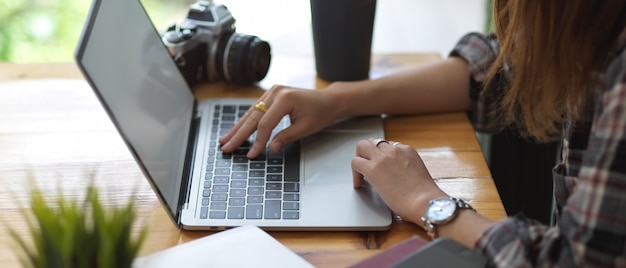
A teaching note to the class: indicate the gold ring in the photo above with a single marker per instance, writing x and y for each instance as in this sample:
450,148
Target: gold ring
379,141
395,143
260,106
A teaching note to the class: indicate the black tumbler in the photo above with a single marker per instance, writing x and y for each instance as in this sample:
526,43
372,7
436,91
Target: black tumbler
342,38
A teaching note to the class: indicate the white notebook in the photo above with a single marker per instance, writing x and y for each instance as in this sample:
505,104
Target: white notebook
245,246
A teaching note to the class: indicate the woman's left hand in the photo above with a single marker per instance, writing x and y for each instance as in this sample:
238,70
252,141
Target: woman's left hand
398,174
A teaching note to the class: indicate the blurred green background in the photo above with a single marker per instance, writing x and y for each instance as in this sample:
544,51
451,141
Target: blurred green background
48,30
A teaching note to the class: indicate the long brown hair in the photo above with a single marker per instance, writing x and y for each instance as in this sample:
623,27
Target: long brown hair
555,49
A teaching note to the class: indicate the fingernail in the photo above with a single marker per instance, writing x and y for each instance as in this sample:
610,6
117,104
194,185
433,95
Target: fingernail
277,145
251,152
225,145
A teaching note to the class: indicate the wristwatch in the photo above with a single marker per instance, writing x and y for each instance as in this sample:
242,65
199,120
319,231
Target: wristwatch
441,211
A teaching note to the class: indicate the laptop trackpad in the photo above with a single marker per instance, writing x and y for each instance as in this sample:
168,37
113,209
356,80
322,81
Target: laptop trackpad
328,189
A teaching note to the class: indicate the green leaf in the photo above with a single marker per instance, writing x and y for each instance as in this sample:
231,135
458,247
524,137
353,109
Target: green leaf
69,233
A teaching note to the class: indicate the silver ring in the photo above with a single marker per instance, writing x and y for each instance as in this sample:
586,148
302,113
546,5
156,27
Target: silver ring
395,143
379,141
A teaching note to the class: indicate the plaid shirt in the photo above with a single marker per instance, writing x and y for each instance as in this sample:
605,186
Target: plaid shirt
589,180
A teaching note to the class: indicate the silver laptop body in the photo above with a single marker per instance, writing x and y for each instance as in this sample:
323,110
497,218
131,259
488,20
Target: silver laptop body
169,132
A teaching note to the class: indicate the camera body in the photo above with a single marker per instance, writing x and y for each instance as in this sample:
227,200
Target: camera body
206,47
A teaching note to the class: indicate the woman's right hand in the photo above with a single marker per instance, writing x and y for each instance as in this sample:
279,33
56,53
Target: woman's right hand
309,112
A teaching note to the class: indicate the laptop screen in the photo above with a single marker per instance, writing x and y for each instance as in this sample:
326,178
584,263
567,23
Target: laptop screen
140,86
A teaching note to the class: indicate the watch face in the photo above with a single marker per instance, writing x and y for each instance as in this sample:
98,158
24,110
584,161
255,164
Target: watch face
440,210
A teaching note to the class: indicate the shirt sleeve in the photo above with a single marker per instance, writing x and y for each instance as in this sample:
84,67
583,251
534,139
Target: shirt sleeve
480,51
591,231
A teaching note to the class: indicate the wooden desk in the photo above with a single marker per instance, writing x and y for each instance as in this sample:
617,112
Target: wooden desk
53,129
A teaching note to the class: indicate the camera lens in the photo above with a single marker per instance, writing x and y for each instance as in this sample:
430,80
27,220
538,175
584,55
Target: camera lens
242,58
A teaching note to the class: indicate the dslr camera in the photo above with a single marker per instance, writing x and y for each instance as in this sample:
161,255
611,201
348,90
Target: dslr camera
206,47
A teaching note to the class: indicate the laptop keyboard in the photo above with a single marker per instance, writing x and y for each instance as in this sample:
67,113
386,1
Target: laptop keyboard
235,187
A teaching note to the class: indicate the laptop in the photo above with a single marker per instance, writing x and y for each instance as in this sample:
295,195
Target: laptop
173,138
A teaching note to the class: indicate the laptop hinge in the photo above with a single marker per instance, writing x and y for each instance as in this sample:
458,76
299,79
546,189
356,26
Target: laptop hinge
189,161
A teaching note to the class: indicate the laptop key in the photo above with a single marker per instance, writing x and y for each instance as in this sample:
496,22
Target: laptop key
240,159
238,184
257,173
254,211
229,109
229,118
291,206
256,182
272,209
206,192
272,195
240,167
219,197
227,125
237,192
222,171
274,169
291,197
255,199
204,211
220,188
237,202
235,212
218,205
220,180
217,214
292,187
274,186
275,161
240,151
223,163
292,162
239,175
222,155
291,215
255,190
257,165
274,177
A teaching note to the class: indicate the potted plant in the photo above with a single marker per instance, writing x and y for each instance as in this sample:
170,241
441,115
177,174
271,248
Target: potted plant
72,233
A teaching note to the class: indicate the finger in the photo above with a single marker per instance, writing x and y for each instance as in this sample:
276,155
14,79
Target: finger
238,134
367,148
396,143
362,149
290,134
357,164
387,146
265,126
246,125
245,119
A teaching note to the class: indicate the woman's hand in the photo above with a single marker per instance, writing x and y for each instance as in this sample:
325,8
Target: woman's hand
398,174
309,111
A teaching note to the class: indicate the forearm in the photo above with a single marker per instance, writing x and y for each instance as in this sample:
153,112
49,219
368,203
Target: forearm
439,87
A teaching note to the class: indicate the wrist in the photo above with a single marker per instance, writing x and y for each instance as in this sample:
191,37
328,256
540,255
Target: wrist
342,98
354,98
441,212
418,207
